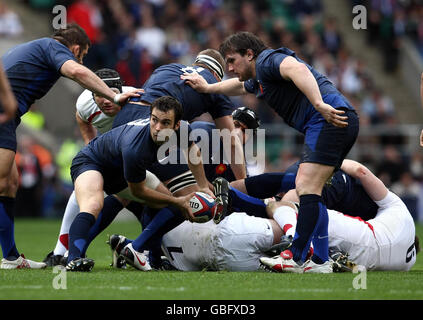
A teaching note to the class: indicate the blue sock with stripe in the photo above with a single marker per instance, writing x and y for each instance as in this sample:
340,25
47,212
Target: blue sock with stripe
308,215
158,221
78,234
111,208
321,237
7,228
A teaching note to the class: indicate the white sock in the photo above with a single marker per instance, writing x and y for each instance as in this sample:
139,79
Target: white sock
286,217
71,211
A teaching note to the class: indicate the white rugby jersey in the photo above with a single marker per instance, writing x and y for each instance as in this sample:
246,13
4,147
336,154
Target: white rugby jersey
235,244
91,113
383,243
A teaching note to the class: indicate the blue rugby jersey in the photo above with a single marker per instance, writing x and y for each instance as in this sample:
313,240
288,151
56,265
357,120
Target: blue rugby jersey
166,81
283,96
128,148
33,68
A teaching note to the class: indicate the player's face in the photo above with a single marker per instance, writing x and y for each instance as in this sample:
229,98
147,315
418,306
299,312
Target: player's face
159,121
241,66
106,106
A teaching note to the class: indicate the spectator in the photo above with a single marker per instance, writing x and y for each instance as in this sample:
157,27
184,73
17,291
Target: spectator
29,193
392,165
10,25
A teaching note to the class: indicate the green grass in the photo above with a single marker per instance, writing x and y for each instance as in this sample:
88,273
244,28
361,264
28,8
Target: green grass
36,238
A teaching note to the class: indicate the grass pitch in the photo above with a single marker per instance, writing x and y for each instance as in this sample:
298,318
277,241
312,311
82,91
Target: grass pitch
36,238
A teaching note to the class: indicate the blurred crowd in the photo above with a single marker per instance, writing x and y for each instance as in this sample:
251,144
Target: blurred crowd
136,36
388,22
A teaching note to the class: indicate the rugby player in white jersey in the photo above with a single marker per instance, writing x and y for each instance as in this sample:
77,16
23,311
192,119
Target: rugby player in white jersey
386,242
238,242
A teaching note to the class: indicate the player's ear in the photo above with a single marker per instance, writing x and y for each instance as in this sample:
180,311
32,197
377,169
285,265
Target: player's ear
76,50
250,54
177,125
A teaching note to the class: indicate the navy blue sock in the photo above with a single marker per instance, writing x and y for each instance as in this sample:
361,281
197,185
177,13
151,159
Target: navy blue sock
157,223
137,209
7,228
321,237
155,252
78,234
111,208
245,203
308,216
267,185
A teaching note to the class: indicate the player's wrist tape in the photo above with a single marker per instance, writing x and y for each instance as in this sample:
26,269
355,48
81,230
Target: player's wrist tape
116,98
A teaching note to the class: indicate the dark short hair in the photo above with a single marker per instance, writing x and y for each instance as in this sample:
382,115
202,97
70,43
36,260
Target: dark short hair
167,103
110,77
240,42
71,35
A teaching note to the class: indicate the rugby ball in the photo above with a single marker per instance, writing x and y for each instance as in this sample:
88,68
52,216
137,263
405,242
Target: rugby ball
203,207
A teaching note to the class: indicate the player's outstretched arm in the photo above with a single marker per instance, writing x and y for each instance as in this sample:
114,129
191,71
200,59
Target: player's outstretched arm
229,87
89,80
374,187
7,98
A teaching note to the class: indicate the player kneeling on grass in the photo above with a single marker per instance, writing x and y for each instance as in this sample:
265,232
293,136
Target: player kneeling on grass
117,160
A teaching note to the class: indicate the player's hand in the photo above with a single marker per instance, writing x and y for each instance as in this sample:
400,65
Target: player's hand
208,191
332,115
183,204
195,81
421,138
124,97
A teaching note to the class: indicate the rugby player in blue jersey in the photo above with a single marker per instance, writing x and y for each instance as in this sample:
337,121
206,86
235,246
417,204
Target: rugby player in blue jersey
165,80
119,159
32,68
309,103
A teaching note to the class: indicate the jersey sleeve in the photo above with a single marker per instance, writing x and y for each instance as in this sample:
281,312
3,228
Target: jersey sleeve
84,105
57,54
270,68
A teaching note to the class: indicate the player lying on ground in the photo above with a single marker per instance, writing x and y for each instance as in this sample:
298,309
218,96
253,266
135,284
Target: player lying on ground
239,241
386,242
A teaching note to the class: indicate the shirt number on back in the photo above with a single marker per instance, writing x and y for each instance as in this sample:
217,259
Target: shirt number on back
410,253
